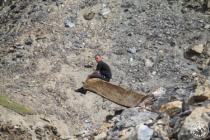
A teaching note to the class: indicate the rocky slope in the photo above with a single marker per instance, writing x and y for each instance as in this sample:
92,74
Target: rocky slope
160,47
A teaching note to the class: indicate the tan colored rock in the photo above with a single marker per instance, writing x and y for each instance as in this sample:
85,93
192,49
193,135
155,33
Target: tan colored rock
208,4
171,108
198,48
202,93
196,124
104,127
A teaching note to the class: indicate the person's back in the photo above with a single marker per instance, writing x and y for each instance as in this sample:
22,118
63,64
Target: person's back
104,70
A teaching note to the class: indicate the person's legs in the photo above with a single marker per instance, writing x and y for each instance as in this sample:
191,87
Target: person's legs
104,78
98,75
94,75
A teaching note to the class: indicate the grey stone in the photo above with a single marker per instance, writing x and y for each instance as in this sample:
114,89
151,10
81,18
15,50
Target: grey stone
132,117
132,50
207,26
105,10
144,132
148,63
69,22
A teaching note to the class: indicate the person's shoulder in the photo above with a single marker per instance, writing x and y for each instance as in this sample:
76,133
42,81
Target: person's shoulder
102,62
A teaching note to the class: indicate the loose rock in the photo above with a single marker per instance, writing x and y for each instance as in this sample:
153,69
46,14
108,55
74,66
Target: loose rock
172,108
198,48
202,93
89,15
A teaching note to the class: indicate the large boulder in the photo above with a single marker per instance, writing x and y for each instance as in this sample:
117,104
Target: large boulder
196,124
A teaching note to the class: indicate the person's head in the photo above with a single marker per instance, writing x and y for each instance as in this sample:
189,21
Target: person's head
98,58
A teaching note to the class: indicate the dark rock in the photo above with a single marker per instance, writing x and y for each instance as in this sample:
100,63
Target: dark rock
29,41
12,6
186,113
19,55
88,66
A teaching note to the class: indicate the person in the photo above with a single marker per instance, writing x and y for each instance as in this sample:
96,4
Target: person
102,72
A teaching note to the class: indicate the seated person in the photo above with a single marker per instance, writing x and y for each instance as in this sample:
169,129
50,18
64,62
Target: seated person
103,72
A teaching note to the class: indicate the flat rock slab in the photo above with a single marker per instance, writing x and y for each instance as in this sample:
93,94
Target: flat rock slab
115,93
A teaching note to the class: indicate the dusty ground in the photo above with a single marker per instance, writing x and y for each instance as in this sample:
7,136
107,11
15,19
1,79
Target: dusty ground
42,62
